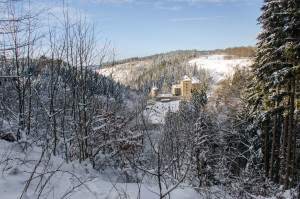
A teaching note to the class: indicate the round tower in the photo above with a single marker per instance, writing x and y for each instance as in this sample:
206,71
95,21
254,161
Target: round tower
154,92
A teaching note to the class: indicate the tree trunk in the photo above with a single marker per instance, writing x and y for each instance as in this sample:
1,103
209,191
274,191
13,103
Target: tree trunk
285,132
295,166
274,139
266,149
291,118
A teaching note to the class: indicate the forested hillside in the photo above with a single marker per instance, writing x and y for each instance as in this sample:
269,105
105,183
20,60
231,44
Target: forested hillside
240,51
142,73
165,70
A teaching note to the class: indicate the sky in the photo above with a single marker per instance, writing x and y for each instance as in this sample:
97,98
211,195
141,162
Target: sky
139,28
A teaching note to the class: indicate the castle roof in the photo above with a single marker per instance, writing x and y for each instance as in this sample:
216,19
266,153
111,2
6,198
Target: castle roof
186,78
164,95
195,80
155,88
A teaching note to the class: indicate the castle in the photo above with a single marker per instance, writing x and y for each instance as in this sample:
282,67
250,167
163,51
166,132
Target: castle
184,89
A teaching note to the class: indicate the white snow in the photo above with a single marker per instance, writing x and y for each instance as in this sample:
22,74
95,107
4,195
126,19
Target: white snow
156,113
165,100
72,180
218,66
165,95
195,80
155,88
125,72
186,78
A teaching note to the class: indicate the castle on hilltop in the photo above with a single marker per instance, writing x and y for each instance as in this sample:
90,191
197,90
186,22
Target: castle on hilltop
184,89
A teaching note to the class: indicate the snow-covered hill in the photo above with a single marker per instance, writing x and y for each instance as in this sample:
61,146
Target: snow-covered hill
218,66
125,72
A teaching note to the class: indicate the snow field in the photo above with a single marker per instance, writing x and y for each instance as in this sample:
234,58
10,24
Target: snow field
218,66
66,180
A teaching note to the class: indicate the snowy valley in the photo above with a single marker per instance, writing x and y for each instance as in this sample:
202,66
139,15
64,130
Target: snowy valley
77,123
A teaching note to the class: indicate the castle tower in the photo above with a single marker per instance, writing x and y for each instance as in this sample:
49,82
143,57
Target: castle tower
195,84
176,90
154,91
186,87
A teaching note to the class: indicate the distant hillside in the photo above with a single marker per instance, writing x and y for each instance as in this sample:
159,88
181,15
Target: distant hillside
240,51
128,71
164,70
180,54
220,66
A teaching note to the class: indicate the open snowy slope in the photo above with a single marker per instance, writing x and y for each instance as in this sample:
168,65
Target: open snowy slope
125,72
53,178
218,66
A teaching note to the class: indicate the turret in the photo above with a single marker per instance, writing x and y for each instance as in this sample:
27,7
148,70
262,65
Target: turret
154,92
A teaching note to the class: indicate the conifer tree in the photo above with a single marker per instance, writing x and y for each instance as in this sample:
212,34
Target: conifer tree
273,93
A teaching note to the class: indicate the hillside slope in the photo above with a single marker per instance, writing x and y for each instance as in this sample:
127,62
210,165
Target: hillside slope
130,70
218,65
126,72
164,70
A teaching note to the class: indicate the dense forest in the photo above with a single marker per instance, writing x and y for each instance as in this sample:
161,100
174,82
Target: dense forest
244,139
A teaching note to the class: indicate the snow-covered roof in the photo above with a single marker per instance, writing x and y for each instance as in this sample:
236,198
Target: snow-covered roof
195,80
165,100
186,78
177,86
154,88
164,95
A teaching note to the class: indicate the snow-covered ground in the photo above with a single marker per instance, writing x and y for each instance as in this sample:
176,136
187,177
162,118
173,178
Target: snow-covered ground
56,179
155,113
124,72
218,66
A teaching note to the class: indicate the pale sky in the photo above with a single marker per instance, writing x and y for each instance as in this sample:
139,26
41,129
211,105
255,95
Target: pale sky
146,27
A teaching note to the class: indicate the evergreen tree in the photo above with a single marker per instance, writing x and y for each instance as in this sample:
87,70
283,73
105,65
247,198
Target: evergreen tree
273,90
198,100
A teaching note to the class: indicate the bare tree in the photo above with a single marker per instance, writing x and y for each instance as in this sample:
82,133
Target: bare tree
18,44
